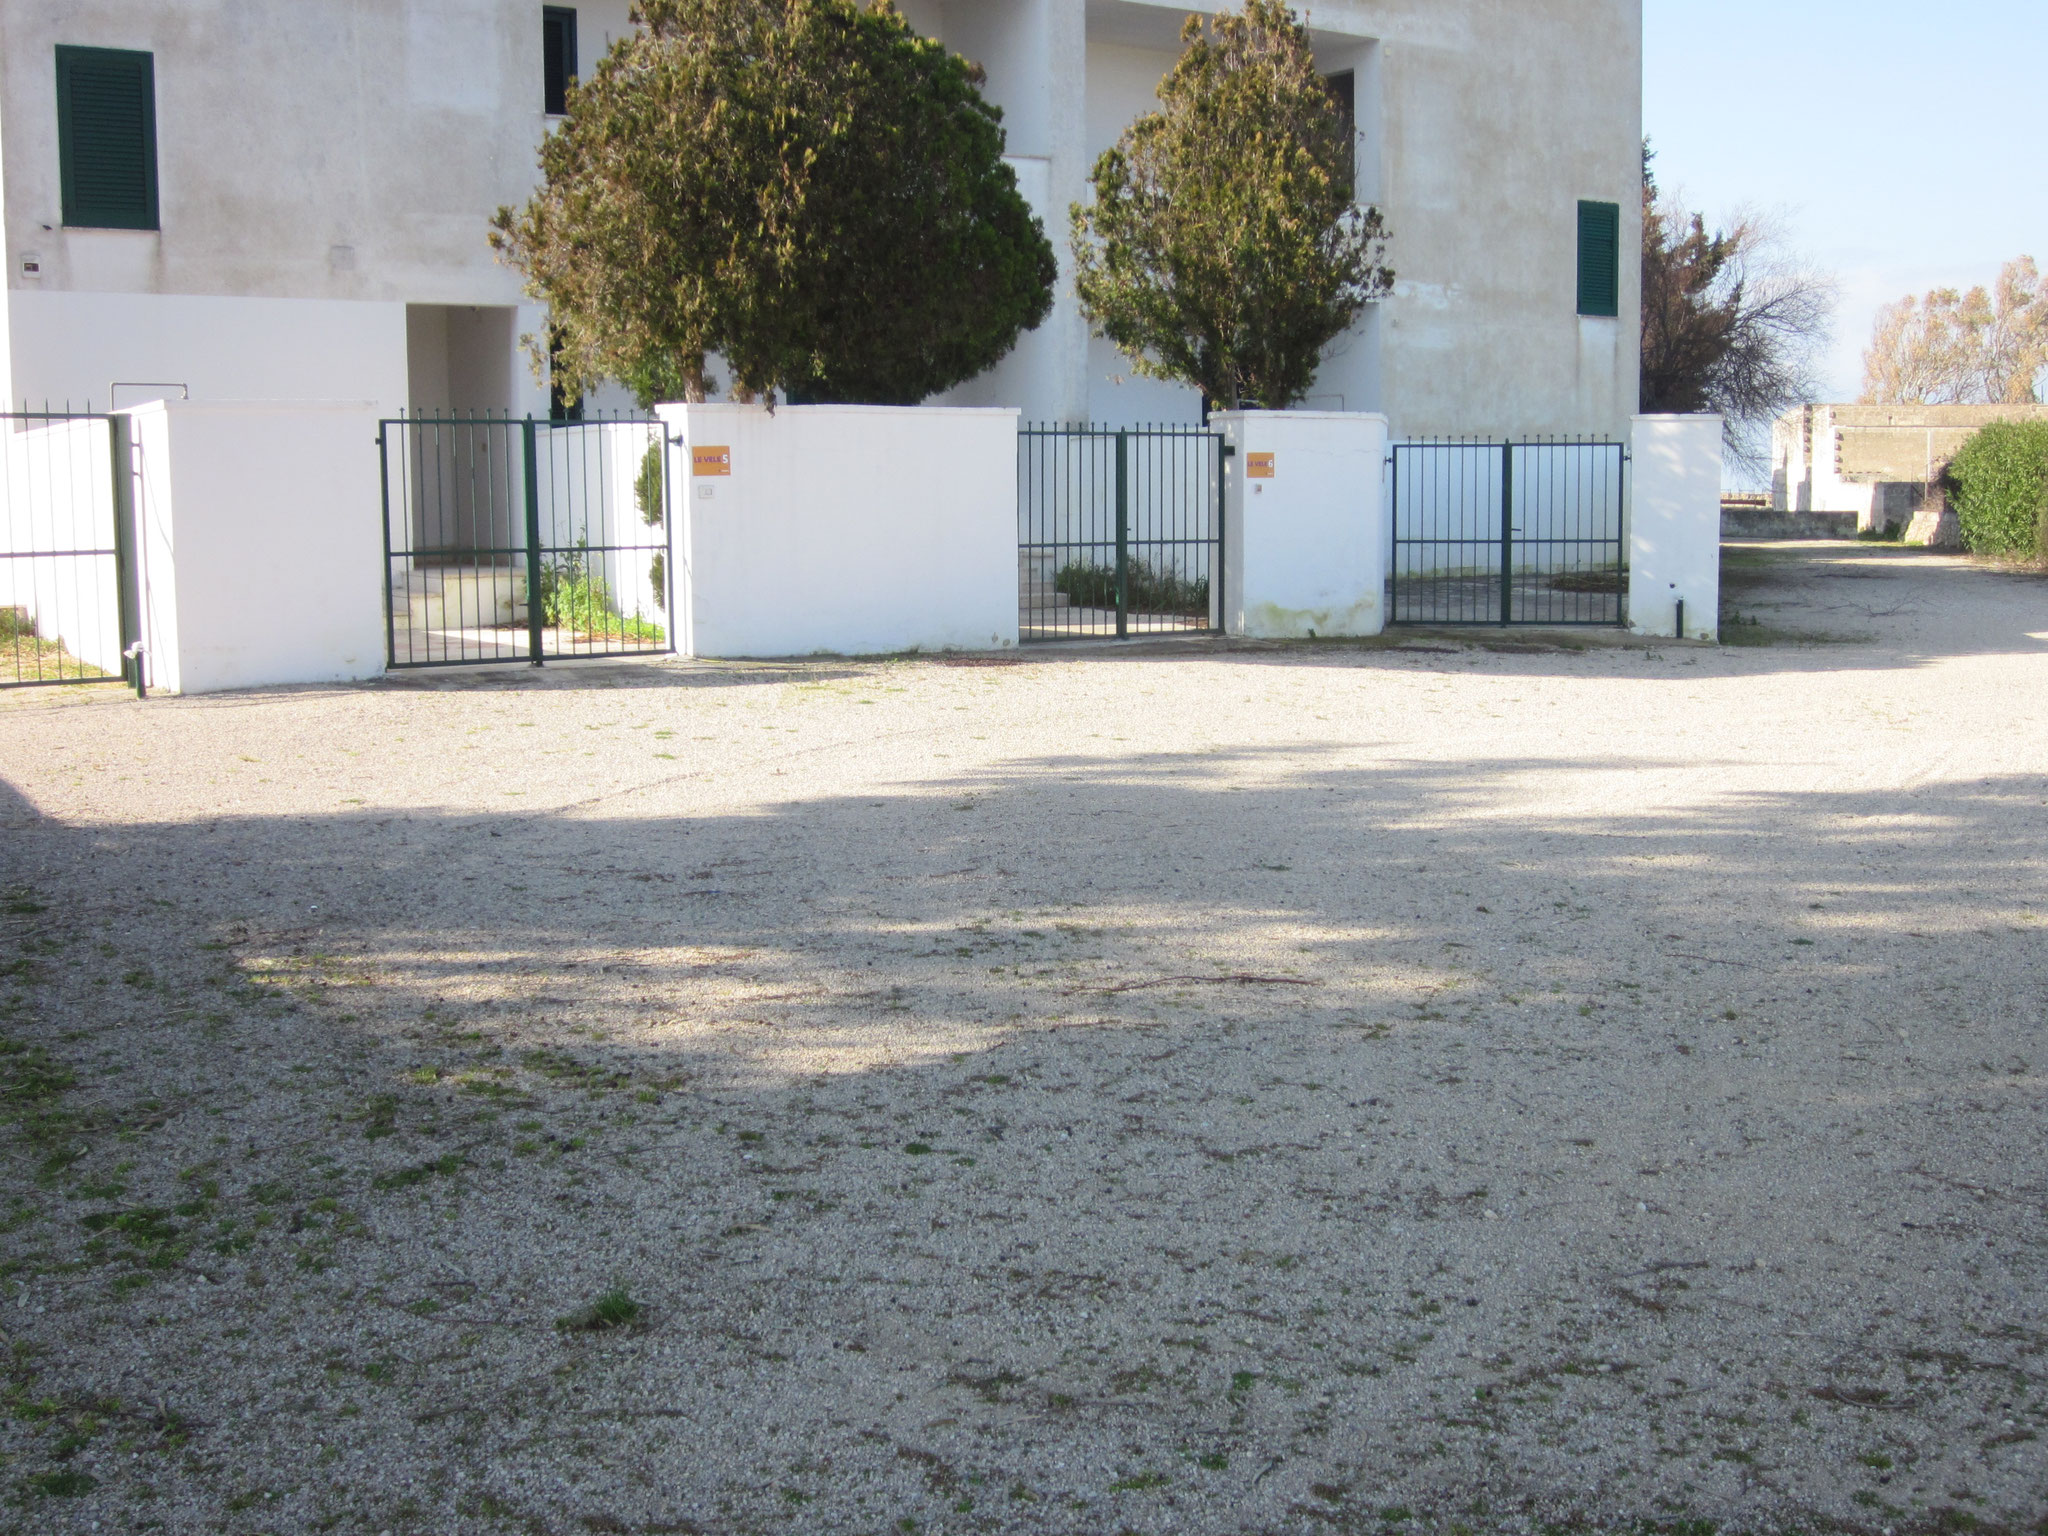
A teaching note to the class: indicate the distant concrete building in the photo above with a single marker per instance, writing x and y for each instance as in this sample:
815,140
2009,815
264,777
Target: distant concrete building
1881,462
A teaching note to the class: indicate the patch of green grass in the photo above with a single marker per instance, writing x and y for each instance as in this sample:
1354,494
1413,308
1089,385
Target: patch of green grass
405,1178
64,1483
145,1237
1139,1482
563,1068
614,1309
380,1116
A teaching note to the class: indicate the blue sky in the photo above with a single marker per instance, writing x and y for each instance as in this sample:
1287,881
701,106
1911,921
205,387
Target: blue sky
1905,147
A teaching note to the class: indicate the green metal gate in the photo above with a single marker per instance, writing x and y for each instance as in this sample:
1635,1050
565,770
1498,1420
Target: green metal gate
1526,532
1120,531
68,597
525,540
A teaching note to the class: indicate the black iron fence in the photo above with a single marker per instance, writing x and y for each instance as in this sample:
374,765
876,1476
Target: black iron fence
1120,531
67,574
1527,532
525,540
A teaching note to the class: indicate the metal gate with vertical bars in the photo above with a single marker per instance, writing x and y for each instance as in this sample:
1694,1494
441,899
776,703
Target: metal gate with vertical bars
1524,532
1120,531
67,575
525,540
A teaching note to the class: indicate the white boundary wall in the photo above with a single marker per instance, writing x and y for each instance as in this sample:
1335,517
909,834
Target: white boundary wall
1675,526
1305,551
844,529
259,547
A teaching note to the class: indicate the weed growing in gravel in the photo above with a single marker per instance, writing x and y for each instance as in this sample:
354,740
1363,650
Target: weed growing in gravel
614,1309
64,1483
404,1178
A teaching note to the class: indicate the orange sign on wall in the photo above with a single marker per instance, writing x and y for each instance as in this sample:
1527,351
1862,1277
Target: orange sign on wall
710,461
1258,466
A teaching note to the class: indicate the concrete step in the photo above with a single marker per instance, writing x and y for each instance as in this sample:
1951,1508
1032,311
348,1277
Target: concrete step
441,597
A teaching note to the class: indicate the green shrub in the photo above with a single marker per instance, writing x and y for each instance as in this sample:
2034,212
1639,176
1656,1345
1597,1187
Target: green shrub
1998,486
15,624
1151,591
647,486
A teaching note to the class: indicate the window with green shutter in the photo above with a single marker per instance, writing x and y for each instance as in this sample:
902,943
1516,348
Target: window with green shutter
1599,258
558,57
106,137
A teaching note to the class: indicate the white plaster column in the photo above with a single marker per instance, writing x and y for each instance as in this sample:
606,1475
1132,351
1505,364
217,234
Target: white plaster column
1674,545
1305,524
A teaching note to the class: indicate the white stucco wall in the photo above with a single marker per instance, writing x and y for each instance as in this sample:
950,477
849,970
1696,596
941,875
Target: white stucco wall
1675,526
853,530
344,157
72,347
352,152
260,544
1482,123
1305,548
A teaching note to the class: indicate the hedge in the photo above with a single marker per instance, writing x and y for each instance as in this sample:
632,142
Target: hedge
1998,486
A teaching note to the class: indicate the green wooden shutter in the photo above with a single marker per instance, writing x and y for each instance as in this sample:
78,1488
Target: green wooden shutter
106,137
1599,258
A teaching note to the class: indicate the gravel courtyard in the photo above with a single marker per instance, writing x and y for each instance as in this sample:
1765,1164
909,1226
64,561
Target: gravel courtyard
1474,1083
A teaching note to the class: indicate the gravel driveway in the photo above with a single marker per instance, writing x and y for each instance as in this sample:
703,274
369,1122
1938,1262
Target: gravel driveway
1469,1084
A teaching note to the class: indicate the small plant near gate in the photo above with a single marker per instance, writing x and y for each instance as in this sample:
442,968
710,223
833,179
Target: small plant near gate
574,597
1607,580
1087,585
1998,485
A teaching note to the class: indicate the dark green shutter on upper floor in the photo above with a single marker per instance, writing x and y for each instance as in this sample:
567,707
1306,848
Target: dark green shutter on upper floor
1599,258
558,57
106,137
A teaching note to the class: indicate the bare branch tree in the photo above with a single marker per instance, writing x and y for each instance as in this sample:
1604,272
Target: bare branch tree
1733,321
1954,348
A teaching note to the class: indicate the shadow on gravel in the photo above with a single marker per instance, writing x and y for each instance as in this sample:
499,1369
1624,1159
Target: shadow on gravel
1196,1143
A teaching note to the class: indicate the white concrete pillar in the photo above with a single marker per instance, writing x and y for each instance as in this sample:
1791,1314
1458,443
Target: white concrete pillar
259,552
1674,546
1305,524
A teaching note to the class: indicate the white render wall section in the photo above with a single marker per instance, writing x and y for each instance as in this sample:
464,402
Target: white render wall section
260,544
72,347
845,529
1675,526
1305,551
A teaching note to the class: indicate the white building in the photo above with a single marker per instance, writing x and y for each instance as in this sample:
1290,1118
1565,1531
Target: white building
1879,462
289,201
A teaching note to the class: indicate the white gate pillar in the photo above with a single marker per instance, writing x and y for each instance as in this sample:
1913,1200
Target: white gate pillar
1674,540
1305,524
